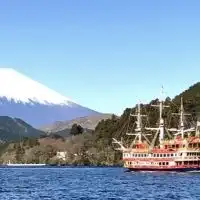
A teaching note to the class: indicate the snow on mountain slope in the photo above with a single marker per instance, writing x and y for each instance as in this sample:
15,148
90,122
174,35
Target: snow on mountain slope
33,102
18,87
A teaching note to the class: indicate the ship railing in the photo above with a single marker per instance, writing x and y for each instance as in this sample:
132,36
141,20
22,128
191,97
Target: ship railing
145,150
187,158
188,149
185,149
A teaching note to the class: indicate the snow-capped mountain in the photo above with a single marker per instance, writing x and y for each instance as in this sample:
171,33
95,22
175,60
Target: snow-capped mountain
33,102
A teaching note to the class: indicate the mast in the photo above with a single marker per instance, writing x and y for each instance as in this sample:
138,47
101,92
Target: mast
181,119
182,129
138,129
161,129
198,129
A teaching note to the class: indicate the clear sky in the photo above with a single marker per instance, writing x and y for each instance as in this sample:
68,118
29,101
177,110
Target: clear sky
103,54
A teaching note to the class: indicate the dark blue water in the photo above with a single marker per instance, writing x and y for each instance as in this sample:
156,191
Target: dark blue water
96,183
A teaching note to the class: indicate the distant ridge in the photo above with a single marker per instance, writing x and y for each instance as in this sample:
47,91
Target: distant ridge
89,122
14,129
24,98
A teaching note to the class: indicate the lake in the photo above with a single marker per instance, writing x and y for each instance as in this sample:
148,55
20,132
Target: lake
96,183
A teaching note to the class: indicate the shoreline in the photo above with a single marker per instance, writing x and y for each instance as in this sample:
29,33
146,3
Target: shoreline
60,166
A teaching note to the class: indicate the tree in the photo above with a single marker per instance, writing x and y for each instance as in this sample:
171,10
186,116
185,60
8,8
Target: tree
76,129
19,154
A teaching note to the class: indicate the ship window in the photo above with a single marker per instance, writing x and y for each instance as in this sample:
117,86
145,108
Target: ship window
163,163
164,155
167,163
160,155
172,154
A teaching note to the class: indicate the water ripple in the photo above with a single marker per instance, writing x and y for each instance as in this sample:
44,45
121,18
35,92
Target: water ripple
96,183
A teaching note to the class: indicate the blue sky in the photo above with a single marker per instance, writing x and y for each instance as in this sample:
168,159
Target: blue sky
103,54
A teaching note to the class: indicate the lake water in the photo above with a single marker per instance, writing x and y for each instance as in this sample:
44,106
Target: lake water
96,183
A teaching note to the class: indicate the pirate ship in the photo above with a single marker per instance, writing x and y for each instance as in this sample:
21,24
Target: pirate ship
179,151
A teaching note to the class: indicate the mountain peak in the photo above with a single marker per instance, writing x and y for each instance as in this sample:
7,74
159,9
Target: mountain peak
22,97
20,88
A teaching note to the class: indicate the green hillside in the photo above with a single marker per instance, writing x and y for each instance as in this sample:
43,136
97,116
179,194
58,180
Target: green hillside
12,129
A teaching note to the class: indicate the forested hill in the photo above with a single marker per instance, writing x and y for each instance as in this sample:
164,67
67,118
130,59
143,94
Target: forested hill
13,129
191,98
116,127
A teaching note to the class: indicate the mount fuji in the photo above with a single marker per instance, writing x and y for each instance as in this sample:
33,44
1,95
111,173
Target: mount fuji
22,97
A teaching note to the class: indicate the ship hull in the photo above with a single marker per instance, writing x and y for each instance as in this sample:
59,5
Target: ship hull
164,169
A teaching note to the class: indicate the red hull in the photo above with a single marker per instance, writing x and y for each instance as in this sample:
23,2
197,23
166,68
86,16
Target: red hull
176,169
